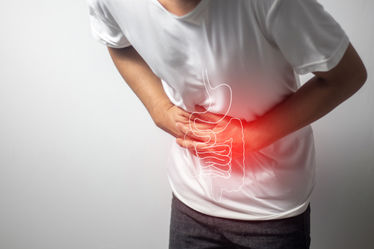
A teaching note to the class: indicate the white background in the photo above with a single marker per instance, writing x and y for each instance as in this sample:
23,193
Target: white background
82,166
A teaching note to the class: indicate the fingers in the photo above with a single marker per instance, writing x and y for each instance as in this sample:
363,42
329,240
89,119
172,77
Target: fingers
220,149
182,116
202,126
208,154
204,149
199,135
184,113
190,144
204,116
201,117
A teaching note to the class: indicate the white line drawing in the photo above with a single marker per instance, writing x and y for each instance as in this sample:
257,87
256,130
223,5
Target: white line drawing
221,172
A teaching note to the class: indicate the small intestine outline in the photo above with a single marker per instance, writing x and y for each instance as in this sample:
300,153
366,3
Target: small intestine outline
214,169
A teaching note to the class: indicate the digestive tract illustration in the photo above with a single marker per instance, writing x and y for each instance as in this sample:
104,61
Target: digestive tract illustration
220,170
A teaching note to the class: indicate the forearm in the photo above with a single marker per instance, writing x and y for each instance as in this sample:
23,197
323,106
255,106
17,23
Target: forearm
312,101
140,78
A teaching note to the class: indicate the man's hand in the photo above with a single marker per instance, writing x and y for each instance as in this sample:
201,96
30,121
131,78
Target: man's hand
168,116
219,142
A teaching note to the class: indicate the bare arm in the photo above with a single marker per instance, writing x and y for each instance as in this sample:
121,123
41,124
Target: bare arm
140,78
147,86
314,99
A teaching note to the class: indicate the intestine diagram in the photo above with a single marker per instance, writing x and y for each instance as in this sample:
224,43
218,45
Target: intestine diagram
222,169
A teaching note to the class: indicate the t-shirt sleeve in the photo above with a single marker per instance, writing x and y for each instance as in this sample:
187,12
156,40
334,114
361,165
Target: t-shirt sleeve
306,34
104,28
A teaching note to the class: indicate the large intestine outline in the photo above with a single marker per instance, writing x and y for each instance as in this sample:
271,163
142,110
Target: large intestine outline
219,174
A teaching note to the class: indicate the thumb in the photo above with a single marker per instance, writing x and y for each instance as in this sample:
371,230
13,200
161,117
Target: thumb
200,108
204,115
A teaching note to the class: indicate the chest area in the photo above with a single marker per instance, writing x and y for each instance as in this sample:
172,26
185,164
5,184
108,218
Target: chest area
218,35
178,8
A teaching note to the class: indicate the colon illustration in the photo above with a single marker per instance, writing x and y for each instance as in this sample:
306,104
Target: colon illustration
222,169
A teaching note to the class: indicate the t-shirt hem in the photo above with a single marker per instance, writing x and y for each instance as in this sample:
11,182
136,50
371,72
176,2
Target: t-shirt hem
118,46
289,213
326,64
97,36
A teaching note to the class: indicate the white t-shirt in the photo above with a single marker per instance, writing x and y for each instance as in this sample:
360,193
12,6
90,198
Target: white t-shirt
240,58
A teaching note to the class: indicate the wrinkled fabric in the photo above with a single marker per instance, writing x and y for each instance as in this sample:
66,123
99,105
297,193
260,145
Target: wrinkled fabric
240,58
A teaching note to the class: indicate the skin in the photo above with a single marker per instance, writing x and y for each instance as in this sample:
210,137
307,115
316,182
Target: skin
317,97
179,7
